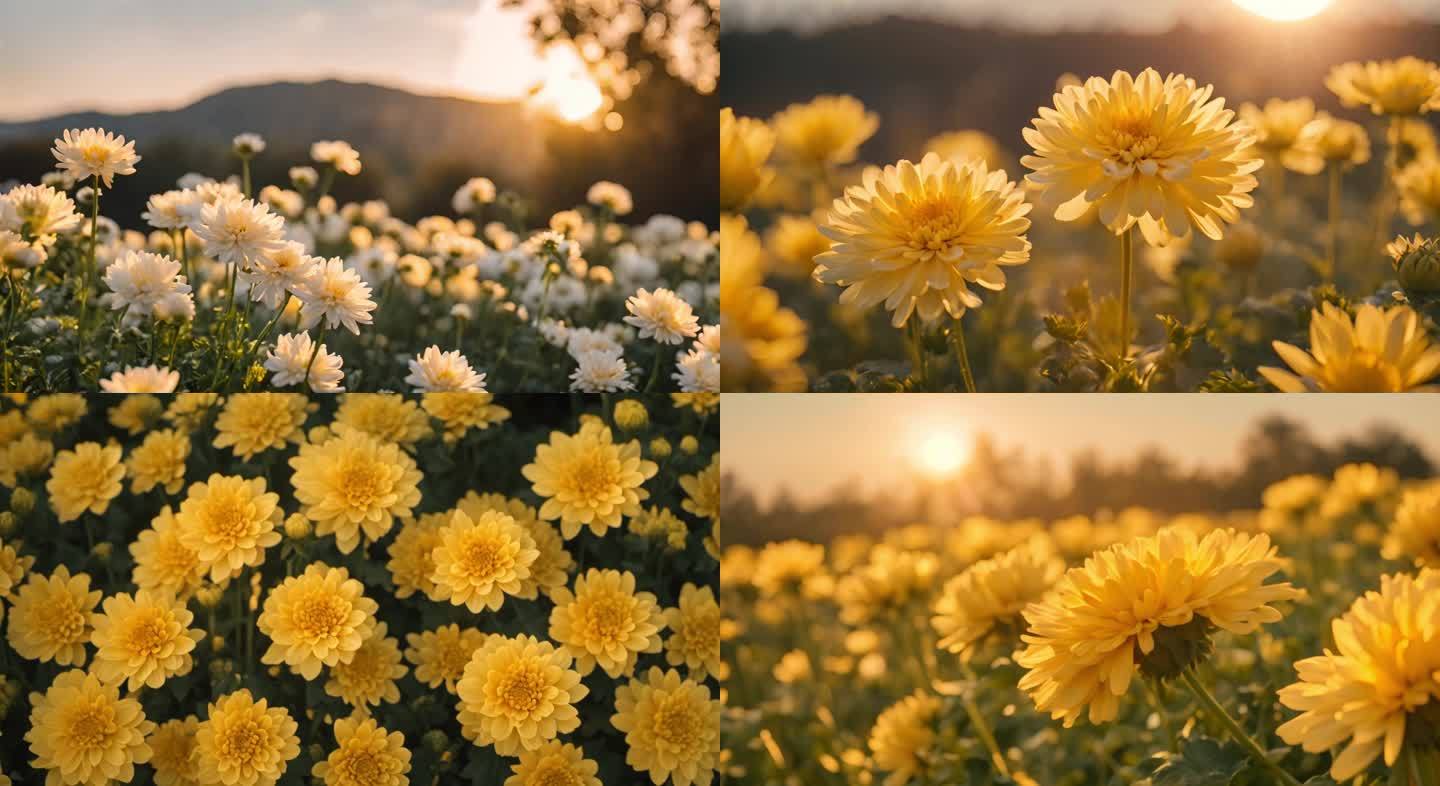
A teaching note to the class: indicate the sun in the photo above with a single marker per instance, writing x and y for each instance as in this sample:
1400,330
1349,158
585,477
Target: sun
1284,10
568,90
940,454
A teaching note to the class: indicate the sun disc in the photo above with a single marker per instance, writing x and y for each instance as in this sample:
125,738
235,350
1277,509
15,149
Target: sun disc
1284,10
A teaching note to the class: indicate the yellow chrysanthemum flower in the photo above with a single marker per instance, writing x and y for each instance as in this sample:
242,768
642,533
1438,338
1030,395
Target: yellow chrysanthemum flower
702,491
28,456
365,754
13,568
84,479
51,618
917,236
369,677
1158,152
661,524
136,413
412,560
440,655
781,567
966,145
699,403
794,242
745,144
244,742
827,130
551,568
1382,351
888,581
1152,600
319,618
187,411
766,340
478,562
252,423
159,461
163,563
143,639
695,632
1419,187
1415,533
460,412
554,764
605,622
1358,486
1378,683
355,484
586,479
672,726
229,521
903,736
172,745
83,733
1338,142
389,417
518,694
56,412
1408,86
992,593
1280,128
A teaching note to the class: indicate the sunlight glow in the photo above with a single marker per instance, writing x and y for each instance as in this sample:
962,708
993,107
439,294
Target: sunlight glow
568,90
1284,10
940,454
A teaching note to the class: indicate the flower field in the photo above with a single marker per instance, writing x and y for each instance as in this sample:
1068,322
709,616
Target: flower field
233,285
1141,234
1295,644
359,590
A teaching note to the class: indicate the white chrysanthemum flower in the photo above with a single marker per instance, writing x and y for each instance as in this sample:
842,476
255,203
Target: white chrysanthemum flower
555,332
135,379
15,252
279,272
709,338
579,341
162,211
38,210
662,315
95,152
600,371
145,283
304,177
240,231
337,154
611,195
286,364
193,200
433,371
283,201
476,191
698,371
335,294
248,145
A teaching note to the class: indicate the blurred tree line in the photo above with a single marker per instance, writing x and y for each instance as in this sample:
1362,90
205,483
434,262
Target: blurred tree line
1011,484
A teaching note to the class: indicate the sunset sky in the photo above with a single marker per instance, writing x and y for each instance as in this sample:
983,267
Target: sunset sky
815,443
129,55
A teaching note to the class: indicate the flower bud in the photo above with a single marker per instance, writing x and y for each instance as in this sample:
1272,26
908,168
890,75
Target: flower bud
436,740
1417,264
103,550
631,415
8,520
689,446
659,448
1242,247
22,501
297,526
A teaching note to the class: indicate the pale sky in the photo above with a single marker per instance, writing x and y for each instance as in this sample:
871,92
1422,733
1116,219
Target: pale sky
129,55
815,443
1140,15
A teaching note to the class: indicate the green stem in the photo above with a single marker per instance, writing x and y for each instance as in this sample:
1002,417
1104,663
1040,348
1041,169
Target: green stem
982,727
1218,712
1127,275
916,334
1334,236
319,340
655,368
326,180
1152,691
245,175
962,356
90,261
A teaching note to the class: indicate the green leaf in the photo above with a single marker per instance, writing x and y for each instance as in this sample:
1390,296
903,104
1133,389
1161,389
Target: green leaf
1201,762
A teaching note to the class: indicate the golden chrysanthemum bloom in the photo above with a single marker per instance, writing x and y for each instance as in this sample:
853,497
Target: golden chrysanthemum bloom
1338,142
144,639
518,694
172,745
702,491
917,236
745,144
1419,187
1415,533
554,764
1381,351
369,677
1148,603
28,456
826,131
605,622
694,640
389,417
699,403
159,461
440,655
244,742
782,567
1408,86
412,561
52,615
82,732
888,581
163,563
365,754
319,618
84,479
136,413
1379,681
1358,486
672,726
794,242
1158,152
478,562
460,412
966,145
187,411
587,479
1296,492
766,340
903,736
354,484
56,412
13,568
551,568
1280,128
659,523
252,423
992,593
229,521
